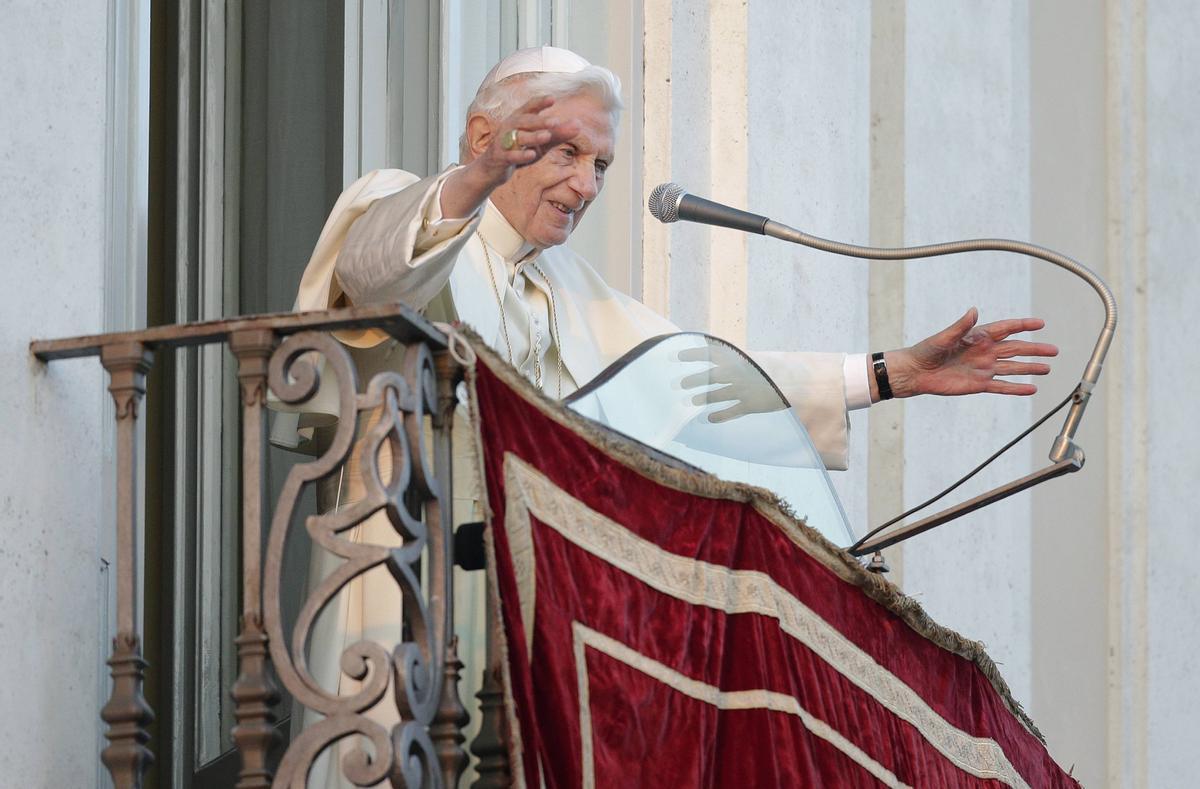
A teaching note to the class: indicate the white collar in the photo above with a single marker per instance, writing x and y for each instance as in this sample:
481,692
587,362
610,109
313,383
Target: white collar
501,236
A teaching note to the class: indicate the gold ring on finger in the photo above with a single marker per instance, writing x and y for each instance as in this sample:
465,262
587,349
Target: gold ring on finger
509,140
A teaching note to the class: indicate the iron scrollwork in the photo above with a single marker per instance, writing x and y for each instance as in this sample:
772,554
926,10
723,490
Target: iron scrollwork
394,409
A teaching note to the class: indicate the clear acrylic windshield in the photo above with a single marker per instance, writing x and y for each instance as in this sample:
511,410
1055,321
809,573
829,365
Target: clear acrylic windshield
703,401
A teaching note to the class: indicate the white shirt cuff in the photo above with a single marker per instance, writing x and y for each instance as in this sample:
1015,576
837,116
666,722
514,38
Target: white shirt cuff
858,386
434,227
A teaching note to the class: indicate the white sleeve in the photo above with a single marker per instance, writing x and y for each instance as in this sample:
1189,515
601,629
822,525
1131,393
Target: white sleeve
815,385
434,227
402,249
858,385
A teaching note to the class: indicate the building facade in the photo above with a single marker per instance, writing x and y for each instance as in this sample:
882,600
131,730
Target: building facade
172,160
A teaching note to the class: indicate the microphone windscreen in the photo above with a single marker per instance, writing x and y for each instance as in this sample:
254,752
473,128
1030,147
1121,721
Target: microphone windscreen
664,202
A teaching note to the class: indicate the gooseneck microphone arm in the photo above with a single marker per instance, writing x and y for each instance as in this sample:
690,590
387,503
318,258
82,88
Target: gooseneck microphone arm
1064,446
668,202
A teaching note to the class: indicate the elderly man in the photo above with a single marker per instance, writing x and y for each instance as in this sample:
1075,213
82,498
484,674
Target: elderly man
483,243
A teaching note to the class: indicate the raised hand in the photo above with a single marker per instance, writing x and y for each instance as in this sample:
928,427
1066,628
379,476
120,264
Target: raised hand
498,148
967,359
524,137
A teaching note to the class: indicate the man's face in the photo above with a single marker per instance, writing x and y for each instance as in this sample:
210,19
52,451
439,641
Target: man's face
544,201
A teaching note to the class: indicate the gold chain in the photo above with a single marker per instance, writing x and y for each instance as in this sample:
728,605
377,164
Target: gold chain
553,322
537,334
496,290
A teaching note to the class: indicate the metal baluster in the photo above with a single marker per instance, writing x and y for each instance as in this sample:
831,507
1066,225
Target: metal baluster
254,693
127,713
446,731
489,744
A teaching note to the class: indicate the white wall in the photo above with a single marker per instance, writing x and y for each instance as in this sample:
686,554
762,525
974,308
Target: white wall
967,169
1172,291
1069,562
52,231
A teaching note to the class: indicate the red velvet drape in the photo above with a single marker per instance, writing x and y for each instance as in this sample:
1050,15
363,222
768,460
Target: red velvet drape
691,680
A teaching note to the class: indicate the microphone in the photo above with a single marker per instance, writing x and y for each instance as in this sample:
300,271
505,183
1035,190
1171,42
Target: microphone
668,203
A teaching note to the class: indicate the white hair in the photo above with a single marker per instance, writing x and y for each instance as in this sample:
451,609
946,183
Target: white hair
502,99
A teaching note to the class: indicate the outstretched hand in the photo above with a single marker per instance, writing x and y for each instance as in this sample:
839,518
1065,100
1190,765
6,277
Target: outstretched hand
967,359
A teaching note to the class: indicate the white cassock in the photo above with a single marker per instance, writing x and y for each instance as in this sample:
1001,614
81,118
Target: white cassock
560,324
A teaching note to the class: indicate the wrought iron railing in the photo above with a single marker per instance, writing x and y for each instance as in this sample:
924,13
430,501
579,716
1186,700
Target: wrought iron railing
285,353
